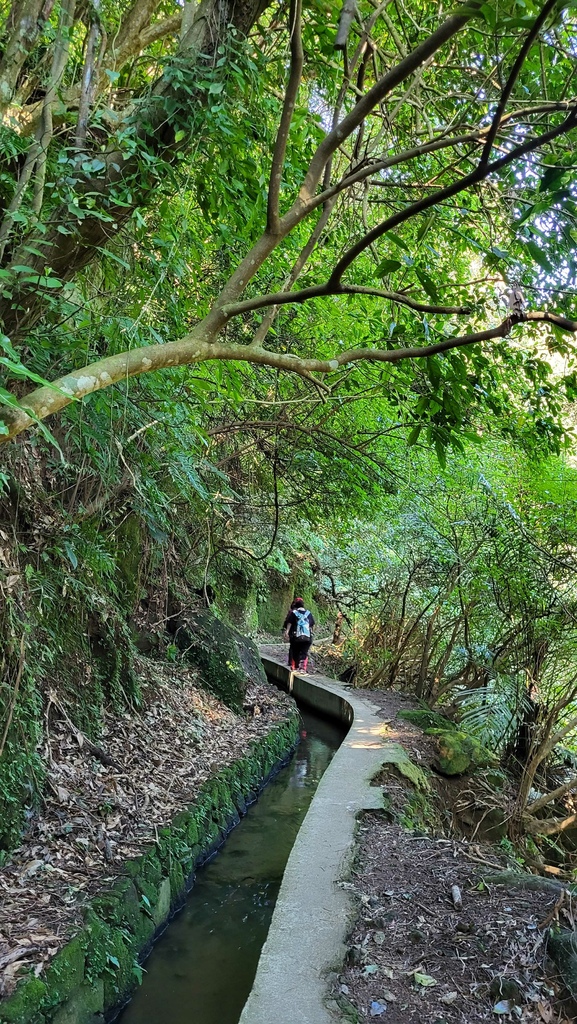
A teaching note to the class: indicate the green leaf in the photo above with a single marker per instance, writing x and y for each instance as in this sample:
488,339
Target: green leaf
71,553
414,435
428,284
552,179
397,240
424,979
489,14
539,257
387,267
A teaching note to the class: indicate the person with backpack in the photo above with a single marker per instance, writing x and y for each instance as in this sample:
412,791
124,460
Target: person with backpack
298,625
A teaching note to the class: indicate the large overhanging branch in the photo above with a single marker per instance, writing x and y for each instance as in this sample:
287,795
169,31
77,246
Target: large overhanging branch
47,400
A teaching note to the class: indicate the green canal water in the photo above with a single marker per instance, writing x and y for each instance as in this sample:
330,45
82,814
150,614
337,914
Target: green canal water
202,968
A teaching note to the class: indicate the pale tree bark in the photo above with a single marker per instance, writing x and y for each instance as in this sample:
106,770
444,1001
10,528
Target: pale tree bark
68,253
24,23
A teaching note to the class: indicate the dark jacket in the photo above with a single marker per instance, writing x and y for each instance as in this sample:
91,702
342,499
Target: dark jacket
290,623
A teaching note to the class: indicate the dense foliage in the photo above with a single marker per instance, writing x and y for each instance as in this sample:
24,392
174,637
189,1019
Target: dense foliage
314,284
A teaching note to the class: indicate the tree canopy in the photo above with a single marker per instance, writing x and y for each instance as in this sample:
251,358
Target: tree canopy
387,183
287,294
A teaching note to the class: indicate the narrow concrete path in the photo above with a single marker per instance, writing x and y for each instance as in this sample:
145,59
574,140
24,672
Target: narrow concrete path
307,935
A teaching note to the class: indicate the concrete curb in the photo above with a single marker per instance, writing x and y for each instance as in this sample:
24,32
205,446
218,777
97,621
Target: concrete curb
307,935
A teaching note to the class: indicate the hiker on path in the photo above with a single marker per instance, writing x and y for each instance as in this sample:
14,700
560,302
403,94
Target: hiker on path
298,627
285,631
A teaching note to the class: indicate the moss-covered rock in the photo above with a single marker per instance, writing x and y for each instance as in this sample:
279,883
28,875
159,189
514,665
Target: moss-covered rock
396,756
131,538
25,1005
84,1005
426,719
562,948
66,972
161,908
457,752
227,659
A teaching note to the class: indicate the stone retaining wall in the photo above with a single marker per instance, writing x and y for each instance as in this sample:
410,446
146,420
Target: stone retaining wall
95,972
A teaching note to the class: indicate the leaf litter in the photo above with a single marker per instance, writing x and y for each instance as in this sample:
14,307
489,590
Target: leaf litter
102,804
433,943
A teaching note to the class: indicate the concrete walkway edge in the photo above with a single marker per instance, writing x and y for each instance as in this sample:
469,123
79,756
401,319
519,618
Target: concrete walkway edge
306,939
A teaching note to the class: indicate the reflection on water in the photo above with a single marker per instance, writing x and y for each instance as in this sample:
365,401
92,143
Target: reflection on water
201,970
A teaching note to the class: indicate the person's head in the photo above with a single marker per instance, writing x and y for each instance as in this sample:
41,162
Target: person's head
298,602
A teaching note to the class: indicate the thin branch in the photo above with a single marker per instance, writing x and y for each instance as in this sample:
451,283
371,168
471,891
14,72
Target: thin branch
46,127
515,72
279,153
327,289
348,12
474,178
88,76
269,317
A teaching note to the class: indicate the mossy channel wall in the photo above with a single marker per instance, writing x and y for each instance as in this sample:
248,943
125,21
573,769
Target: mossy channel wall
95,972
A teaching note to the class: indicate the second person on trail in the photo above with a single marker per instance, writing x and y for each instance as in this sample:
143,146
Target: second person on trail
299,625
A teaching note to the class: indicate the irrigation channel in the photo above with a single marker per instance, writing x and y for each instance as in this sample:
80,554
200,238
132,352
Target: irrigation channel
202,968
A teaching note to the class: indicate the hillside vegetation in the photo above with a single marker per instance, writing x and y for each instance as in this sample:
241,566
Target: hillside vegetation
287,305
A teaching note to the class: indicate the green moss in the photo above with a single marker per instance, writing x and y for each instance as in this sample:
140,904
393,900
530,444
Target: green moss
562,948
418,815
226,658
176,876
458,752
86,1002
130,542
66,972
272,610
25,1005
426,719
396,755
161,908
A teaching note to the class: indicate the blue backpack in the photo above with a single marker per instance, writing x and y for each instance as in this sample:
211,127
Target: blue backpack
303,631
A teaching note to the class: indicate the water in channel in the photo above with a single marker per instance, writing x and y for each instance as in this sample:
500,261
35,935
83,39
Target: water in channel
202,969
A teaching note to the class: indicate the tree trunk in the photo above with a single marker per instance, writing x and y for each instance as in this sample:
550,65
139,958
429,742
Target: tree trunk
70,243
23,26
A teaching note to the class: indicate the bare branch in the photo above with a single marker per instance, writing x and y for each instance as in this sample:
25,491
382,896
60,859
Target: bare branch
279,153
549,798
317,291
549,826
88,76
450,27
474,178
346,19
515,71
268,319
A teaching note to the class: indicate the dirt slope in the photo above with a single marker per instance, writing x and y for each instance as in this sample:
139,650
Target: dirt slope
435,941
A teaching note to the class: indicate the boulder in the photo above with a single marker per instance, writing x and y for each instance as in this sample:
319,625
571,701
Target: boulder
562,948
457,752
227,660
